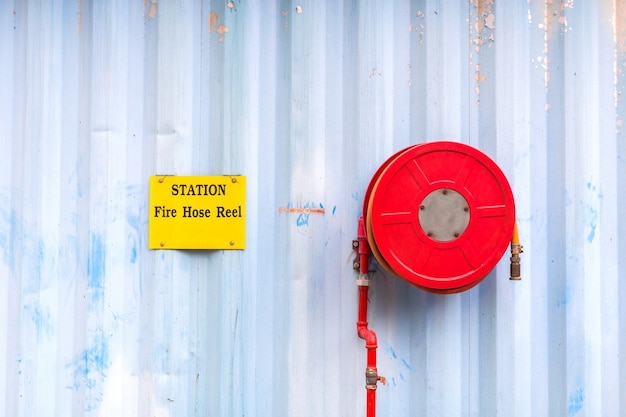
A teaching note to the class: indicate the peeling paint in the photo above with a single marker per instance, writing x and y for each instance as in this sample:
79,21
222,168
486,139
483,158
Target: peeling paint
420,28
619,53
554,21
484,24
490,21
478,77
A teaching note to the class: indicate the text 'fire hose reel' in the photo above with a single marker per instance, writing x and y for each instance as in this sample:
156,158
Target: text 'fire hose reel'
439,215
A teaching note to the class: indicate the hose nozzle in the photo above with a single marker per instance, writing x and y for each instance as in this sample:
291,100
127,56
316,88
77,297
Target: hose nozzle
516,249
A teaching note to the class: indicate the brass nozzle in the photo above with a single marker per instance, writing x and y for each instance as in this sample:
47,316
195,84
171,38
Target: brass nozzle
516,249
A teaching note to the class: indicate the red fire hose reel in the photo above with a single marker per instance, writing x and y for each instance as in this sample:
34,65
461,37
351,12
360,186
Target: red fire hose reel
439,215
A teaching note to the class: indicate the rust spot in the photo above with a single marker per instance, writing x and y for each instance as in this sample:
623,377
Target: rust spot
153,9
212,21
79,16
620,25
222,29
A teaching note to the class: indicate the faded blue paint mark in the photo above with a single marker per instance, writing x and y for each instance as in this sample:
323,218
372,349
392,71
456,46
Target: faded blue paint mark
302,220
406,364
592,225
160,356
565,297
96,269
8,226
89,370
40,316
35,281
567,199
133,255
592,215
392,353
304,211
137,223
575,403
309,207
593,212
334,210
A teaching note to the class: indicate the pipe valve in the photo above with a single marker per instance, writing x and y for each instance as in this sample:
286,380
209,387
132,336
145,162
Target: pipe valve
372,378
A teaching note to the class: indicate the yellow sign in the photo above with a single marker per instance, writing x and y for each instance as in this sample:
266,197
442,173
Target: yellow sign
192,212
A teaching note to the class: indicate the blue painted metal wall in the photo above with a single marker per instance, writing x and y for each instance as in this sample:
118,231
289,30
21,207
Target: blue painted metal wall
306,99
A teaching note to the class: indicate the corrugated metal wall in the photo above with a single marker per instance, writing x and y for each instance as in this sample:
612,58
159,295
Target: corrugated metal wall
306,99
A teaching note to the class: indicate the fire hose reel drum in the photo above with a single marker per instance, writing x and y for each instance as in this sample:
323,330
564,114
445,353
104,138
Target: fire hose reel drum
439,215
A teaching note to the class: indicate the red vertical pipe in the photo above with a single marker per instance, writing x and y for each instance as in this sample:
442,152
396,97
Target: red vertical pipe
371,341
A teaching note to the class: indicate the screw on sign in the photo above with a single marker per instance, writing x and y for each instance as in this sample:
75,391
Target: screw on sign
439,215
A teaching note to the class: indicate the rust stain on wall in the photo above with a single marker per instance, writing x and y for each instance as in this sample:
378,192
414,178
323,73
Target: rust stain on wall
212,21
79,16
620,25
153,8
